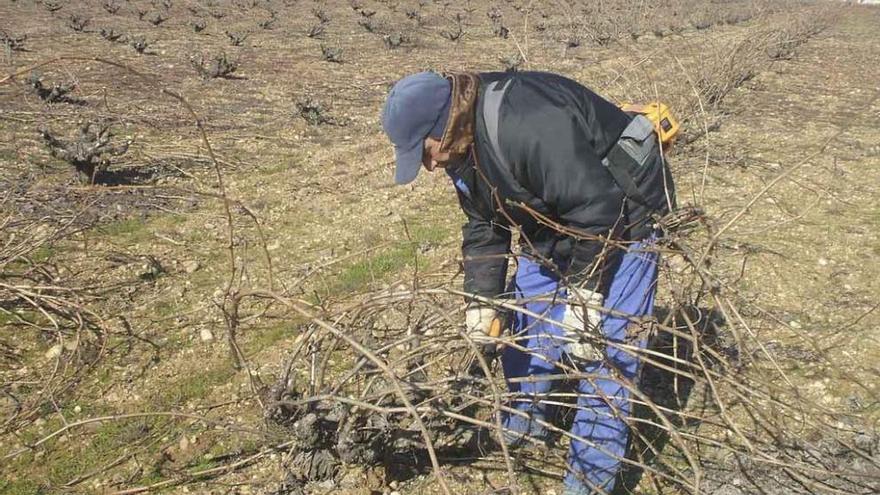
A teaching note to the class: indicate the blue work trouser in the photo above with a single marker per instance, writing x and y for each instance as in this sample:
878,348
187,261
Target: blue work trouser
602,403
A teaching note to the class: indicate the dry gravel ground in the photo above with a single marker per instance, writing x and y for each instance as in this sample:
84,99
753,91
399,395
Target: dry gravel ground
813,235
807,249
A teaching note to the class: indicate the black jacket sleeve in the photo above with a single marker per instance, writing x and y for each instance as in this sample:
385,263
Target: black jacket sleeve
485,248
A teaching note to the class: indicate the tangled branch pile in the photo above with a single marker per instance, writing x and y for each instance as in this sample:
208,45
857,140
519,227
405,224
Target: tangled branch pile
716,408
39,303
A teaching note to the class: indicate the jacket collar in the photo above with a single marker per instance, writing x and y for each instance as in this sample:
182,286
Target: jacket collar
459,133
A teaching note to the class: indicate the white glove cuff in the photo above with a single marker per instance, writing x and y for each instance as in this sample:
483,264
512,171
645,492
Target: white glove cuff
584,296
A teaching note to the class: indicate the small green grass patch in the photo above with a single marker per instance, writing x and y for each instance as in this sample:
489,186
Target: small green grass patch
43,253
20,487
382,264
266,337
137,229
133,228
108,441
375,268
194,384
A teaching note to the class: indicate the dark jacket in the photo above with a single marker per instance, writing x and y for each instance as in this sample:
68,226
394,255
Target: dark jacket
553,133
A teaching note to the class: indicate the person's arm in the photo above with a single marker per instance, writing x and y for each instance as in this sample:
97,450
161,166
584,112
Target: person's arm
485,247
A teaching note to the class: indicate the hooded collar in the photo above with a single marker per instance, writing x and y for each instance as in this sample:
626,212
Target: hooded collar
459,132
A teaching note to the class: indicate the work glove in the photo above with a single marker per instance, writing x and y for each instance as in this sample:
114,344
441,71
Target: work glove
478,322
583,325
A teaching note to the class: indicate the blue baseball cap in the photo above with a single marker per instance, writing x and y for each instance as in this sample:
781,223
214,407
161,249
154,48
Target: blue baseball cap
416,107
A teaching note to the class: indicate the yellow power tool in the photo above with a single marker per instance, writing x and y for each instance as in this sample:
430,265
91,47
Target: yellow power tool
665,125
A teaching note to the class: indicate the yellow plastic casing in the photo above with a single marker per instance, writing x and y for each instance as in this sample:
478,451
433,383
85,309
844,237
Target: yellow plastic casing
659,114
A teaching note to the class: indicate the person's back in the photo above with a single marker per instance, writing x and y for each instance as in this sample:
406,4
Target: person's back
538,148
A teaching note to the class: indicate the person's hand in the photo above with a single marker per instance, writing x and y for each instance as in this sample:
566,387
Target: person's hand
478,327
478,323
583,325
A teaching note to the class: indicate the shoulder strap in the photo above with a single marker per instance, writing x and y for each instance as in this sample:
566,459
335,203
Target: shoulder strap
624,179
492,97
619,160
502,176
